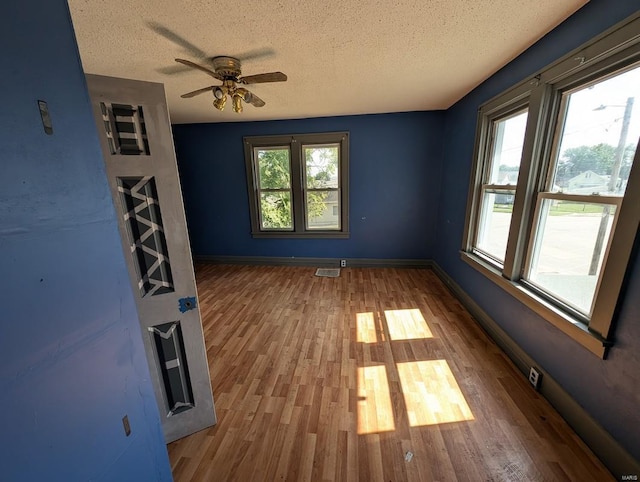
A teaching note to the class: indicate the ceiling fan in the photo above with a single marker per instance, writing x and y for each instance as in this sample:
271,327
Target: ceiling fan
228,70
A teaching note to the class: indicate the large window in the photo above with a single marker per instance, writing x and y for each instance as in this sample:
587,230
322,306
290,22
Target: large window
554,202
298,185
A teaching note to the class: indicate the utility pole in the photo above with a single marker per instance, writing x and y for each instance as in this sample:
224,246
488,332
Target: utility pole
613,183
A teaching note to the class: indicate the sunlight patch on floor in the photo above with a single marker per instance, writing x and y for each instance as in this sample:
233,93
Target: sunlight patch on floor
407,325
375,413
431,393
366,328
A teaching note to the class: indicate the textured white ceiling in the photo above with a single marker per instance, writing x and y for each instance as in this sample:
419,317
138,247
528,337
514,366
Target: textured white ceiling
341,56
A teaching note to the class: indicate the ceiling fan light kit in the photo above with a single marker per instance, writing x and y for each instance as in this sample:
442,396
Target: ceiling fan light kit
228,70
220,103
237,104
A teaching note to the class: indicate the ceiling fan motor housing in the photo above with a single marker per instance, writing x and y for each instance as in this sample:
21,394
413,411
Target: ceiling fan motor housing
228,67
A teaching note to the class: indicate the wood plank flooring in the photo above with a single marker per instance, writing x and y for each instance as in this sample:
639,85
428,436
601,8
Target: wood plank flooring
378,375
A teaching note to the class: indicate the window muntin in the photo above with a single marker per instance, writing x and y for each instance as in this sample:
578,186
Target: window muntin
499,185
298,185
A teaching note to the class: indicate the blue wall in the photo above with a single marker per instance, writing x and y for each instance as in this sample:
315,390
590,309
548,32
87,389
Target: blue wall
71,357
608,390
394,186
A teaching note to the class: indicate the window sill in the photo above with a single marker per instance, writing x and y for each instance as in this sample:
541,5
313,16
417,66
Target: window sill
304,235
570,326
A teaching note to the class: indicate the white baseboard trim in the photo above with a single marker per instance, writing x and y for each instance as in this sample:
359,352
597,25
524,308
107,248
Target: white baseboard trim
606,448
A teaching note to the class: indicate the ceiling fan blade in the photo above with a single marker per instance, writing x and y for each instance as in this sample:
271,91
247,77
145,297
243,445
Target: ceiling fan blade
174,70
255,100
197,92
200,67
255,54
262,78
176,39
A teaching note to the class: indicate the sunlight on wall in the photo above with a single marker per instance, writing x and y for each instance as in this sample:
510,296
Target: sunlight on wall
374,401
407,325
366,327
431,393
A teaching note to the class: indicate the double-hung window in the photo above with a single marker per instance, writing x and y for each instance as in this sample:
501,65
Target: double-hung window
298,185
499,183
554,200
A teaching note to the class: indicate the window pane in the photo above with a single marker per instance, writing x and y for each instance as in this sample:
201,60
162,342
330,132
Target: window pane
323,210
569,250
599,137
274,170
321,166
506,151
493,226
275,210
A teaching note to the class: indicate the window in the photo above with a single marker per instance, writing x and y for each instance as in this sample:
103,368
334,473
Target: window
498,189
273,187
554,201
298,185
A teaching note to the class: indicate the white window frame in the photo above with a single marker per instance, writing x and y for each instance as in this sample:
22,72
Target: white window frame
298,186
611,51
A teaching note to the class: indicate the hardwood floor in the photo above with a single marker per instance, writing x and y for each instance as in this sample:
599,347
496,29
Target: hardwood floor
378,375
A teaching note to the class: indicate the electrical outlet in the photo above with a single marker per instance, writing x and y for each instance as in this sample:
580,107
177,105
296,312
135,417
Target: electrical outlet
534,377
343,263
